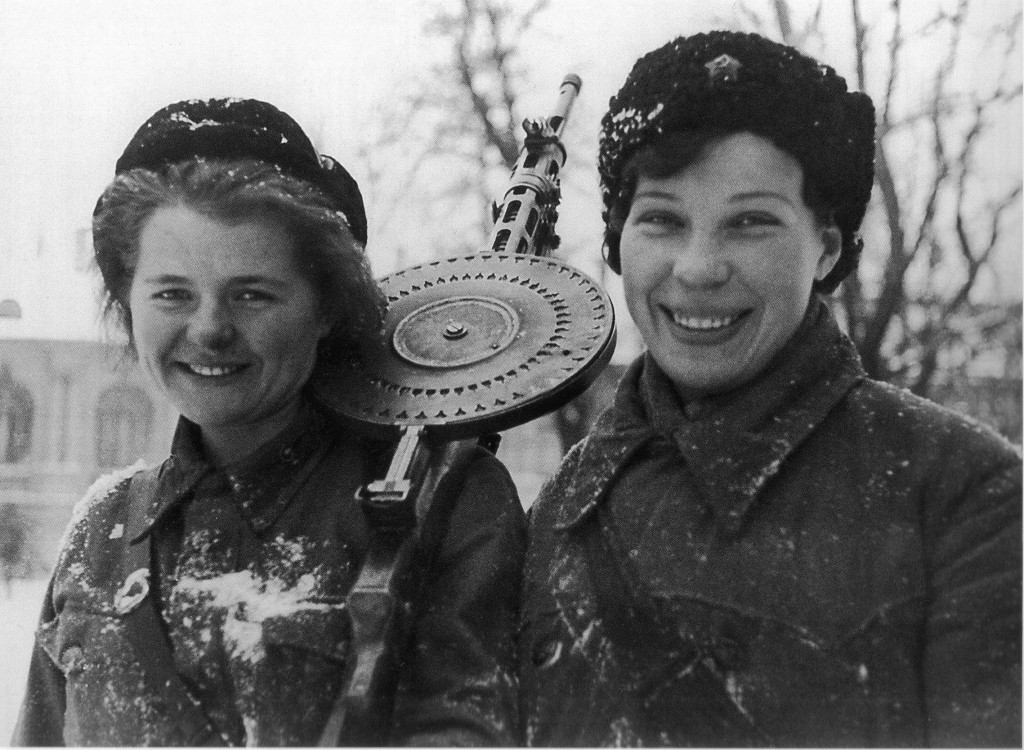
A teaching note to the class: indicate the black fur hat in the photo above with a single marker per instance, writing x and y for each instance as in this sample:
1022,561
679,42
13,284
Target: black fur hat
242,128
728,82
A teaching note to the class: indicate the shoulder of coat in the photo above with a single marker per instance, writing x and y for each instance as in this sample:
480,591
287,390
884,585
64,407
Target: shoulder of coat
103,489
553,492
906,414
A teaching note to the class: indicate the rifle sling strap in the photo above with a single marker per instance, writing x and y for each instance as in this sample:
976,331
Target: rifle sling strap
144,627
342,728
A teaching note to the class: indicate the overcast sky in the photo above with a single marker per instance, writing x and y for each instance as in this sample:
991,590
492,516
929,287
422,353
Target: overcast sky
77,78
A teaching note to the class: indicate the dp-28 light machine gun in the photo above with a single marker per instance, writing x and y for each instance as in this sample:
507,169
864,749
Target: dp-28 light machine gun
472,345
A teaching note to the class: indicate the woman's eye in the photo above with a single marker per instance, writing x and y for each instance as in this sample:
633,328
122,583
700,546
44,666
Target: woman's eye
171,295
658,219
754,221
254,296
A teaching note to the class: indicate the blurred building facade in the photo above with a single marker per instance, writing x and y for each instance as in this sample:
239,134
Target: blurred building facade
69,412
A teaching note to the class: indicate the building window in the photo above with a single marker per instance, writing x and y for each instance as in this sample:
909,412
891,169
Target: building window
9,308
15,419
124,417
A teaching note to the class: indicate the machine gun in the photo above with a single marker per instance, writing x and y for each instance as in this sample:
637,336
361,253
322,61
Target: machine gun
472,345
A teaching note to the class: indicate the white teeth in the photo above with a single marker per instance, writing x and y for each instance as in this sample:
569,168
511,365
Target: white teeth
212,371
703,324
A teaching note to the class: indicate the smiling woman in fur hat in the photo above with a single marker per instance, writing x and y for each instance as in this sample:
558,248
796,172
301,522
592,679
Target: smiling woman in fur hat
756,544
202,602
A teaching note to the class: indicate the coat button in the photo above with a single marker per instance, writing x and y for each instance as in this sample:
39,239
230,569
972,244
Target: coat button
546,653
729,654
71,658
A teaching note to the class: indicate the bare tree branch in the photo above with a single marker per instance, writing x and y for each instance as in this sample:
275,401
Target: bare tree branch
895,46
890,299
528,17
951,104
500,56
782,17
502,139
860,32
752,16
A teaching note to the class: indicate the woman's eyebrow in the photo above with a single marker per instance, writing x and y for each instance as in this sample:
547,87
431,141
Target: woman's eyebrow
165,278
654,193
257,279
747,195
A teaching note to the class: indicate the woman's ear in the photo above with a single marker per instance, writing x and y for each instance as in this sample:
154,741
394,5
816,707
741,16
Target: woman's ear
832,244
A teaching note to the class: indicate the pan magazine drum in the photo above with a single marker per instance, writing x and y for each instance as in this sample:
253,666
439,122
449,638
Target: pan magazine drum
473,345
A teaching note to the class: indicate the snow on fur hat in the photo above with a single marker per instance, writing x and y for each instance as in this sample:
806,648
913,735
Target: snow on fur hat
730,81
242,128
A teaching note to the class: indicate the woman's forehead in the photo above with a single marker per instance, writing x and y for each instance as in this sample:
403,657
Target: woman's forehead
180,239
739,162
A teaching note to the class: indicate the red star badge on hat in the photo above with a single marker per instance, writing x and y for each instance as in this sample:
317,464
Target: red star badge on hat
723,69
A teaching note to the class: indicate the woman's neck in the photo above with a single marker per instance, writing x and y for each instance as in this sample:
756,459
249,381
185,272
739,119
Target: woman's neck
224,445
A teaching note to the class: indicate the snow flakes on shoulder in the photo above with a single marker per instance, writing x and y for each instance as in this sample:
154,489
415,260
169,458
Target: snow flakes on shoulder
622,734
98,491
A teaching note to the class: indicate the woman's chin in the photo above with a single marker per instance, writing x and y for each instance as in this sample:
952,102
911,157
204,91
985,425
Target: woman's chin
703,369
696,383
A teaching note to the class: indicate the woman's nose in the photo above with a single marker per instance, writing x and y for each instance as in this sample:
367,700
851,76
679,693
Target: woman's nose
212,326
698,264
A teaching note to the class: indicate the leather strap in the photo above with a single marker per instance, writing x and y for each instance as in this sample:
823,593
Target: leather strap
143,624
369,725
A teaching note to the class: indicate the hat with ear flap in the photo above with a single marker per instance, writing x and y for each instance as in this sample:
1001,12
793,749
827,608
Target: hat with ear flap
240,129
726,81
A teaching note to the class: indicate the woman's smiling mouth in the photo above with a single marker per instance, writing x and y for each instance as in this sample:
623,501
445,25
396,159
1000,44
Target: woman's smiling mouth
703,323
212,371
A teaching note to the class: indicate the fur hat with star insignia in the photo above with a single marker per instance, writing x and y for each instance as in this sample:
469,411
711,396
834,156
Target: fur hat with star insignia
725,82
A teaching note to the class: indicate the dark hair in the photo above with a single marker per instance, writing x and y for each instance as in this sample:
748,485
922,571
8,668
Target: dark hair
672,153
234,191
724,82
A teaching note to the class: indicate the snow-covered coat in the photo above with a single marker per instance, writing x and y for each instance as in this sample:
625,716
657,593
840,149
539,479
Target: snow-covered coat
815,559
253,564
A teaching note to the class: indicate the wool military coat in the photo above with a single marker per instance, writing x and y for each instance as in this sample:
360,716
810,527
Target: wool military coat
817,559
253,563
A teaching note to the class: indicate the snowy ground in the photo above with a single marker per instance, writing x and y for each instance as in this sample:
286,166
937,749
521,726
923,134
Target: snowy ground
18,615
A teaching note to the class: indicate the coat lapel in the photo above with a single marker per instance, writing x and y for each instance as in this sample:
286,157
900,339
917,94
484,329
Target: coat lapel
593,464
739,440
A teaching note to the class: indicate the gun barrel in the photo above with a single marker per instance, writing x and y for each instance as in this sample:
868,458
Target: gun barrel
567,94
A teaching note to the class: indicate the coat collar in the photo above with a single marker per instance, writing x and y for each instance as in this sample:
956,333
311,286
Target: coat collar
262,483
733,443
